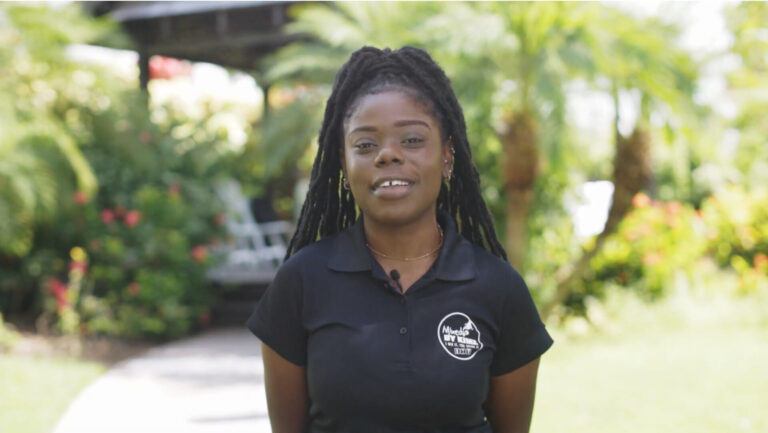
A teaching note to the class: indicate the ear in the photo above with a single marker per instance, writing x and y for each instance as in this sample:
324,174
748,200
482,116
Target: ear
448,159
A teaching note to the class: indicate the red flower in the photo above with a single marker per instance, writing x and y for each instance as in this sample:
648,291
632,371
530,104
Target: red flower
674,207
107,216
161,67
199,253
641,200
761,261
59,291
205,318
132,218
134,288
652,258
95,245
173,190
80,198
81,266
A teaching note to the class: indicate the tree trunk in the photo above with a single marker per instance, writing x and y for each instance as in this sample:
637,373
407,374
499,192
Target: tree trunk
631,173
520,166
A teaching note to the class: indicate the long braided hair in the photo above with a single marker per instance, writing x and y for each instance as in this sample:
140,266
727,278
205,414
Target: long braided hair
329,209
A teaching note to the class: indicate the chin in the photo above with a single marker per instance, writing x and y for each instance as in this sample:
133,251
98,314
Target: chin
397,215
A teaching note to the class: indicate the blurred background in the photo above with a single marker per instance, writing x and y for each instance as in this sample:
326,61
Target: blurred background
154,156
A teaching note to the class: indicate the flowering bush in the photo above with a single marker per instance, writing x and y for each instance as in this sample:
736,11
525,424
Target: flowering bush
140,270
137,269
737,233
659,242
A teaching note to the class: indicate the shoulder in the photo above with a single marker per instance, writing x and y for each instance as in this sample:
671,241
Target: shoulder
496,273
315,256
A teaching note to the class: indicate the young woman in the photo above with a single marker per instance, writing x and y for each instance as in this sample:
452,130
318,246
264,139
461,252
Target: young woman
395,310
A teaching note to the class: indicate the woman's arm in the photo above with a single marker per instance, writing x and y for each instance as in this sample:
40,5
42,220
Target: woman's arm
286,385
510,399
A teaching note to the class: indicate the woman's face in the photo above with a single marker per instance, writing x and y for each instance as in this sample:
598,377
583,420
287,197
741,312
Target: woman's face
394,158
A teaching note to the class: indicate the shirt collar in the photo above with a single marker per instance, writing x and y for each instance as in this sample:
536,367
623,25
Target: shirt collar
456,261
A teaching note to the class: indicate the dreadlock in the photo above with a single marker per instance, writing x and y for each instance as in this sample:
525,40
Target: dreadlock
329,209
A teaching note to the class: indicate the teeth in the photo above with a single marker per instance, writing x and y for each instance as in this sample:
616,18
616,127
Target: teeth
394,183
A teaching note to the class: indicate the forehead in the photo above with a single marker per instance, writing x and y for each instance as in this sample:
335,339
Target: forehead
388,107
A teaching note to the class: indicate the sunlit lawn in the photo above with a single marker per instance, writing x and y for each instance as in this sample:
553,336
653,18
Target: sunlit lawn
651,370
704,377
35,392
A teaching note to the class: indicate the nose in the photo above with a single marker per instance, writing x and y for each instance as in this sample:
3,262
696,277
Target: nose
389,153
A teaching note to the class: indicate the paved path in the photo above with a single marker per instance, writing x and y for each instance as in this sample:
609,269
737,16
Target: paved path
209,383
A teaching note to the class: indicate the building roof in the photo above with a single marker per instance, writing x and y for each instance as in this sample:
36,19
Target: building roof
236,34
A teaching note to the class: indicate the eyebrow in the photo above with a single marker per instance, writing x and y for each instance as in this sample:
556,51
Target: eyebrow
399,123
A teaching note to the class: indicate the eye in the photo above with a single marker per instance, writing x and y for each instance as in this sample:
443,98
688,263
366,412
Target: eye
412,141
364,145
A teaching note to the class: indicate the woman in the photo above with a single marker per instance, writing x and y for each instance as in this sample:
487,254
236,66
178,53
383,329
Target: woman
403,316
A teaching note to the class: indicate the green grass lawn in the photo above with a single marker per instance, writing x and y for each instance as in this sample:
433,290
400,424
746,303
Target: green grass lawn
703,378
35,392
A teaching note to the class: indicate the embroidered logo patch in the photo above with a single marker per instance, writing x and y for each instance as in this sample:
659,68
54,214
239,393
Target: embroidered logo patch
459,336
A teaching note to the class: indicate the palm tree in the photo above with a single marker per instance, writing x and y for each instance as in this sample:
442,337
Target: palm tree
40,163
333,32
632,55
549,50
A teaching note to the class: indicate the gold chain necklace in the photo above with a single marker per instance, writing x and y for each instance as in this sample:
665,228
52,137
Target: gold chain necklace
409,259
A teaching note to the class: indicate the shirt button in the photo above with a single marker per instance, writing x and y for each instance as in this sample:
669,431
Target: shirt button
403,330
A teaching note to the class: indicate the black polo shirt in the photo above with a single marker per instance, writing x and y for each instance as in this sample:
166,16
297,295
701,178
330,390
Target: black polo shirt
381,361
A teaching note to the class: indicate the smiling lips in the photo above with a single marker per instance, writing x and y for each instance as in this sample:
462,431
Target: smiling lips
392,188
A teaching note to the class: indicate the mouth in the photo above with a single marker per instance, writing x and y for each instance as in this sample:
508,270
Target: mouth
392,187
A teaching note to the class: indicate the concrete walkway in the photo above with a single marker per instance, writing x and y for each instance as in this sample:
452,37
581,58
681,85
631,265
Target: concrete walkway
208,383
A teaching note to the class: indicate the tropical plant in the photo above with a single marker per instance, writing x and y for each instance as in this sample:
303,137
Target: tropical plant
632,56
748,84
40,163
302,74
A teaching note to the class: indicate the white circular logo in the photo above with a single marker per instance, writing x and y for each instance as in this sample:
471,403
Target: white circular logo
459,336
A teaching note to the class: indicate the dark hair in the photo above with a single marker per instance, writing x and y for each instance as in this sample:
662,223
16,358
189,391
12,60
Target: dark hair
329,208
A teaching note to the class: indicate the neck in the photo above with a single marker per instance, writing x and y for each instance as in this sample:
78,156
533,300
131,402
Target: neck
403,241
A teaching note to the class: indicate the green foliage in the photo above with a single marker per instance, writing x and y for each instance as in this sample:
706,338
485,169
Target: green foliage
145,237
654,241
127,258
737,233
8,337
658,243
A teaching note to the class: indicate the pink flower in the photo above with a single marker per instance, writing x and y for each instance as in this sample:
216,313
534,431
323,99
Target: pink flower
173,190
641,199
674,207
107,216
652,258
95,245
205,318
80,266
761,261
59,291
80,198
199,253
132,218
134,288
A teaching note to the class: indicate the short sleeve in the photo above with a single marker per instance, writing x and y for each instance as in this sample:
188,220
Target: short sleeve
277,319
522,336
